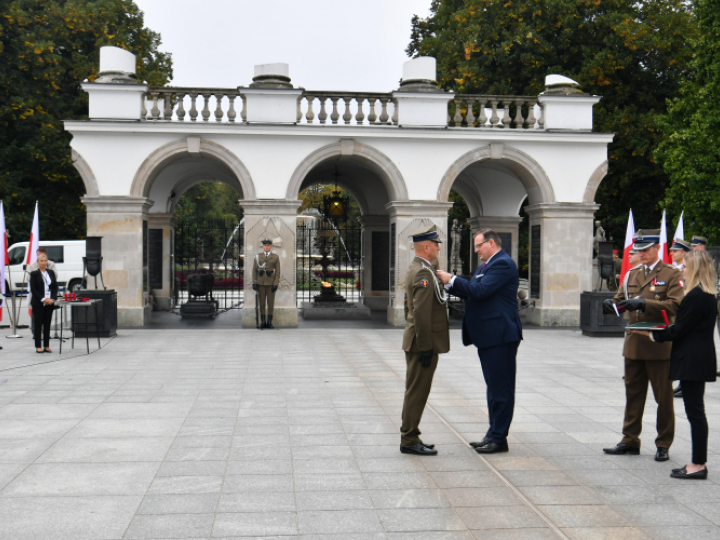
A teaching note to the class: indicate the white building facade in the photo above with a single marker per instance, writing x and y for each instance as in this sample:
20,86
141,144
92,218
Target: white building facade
400,155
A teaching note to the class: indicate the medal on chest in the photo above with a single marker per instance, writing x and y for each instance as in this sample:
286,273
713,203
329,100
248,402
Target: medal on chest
652,285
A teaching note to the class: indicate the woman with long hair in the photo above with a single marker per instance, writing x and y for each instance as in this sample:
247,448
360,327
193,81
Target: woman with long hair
693,361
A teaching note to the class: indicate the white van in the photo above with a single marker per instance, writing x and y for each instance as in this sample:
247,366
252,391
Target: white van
66,254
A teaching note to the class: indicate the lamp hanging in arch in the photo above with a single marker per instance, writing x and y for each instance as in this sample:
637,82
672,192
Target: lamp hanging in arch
335,206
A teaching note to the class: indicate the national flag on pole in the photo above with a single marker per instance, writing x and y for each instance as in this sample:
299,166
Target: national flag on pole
680,230
629,240
3,258
32,249
664,253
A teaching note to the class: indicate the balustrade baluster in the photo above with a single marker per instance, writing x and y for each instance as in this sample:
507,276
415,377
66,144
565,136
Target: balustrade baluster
395,112
494,119
231,108
506,114
457,119
384,113
206,107
470,117
518,114
218,108
299,110
322,116
347,116
193,107
334,115
310,115
482,118
360,116
143,113
155,112
372,117
541,120
167,113
530,120
180,107
243,112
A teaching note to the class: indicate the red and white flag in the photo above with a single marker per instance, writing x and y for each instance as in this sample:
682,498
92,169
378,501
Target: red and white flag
629,240
3,259
680,230
664,253
32,249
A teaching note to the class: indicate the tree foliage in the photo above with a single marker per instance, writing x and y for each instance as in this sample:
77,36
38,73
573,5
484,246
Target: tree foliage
47,48
209,200
312,198
634,54
691,152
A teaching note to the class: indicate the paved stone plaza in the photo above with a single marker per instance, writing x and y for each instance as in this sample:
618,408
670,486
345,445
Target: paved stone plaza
294,434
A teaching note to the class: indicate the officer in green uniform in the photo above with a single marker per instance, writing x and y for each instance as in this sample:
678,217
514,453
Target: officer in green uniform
652,287
426,336
266,277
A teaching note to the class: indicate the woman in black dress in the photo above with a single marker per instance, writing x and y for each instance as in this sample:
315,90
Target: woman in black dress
44,290
693,361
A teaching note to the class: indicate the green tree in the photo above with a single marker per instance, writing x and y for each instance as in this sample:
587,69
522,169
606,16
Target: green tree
691,152
209,200
634,54
47,48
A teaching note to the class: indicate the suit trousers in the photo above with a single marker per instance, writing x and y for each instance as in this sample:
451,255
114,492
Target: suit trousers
499,366
637,375
42,320
418,381
694,398
266,294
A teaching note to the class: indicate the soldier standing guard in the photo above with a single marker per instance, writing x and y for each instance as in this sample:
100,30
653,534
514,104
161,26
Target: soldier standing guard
426,336
266,277
651,287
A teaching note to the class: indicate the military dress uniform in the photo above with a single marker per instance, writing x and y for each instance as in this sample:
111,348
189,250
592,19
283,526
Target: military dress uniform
426,330
266,277
645,360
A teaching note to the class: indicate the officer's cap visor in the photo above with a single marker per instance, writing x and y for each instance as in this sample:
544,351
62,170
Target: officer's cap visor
641,245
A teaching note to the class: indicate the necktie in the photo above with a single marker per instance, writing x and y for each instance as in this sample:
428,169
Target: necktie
647,270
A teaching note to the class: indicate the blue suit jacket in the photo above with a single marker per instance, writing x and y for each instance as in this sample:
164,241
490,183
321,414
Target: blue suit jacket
491,314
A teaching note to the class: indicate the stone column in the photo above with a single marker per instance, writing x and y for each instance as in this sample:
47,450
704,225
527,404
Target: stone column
275,219
119,220
405,218
376,300
563,233
163,297
499,224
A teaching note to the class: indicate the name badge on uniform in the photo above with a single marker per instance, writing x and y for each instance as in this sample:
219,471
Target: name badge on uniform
660,283
424,283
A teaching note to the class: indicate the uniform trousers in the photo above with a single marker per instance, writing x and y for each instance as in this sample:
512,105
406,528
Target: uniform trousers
418,381
42,320
694,399
499,368
637,375
266,294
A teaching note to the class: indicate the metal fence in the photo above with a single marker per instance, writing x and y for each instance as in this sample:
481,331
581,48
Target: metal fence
212,246
459,261
330,254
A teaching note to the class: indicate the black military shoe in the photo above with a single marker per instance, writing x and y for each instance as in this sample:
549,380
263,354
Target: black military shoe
263,324
430,446
269,323
418,449
622,448
677,392
492,448
484,442
662,454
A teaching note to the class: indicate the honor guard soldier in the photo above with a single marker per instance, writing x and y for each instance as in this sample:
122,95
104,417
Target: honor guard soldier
266,277
699,243
651,287
678,251
426,336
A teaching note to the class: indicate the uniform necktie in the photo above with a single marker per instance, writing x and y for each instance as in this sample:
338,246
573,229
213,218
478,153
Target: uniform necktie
647,270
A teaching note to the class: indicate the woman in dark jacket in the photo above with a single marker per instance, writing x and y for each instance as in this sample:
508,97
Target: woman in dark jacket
44,290
693,361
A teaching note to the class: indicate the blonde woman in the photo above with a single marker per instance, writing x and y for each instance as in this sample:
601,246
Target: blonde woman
693,361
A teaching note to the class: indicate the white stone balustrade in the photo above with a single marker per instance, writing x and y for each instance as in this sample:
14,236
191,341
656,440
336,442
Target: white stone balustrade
485,111
356,108
193,104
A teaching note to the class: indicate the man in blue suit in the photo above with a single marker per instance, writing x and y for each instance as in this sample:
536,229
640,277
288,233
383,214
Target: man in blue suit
492,324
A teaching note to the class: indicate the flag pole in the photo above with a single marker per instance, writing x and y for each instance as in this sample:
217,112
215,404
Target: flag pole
12,312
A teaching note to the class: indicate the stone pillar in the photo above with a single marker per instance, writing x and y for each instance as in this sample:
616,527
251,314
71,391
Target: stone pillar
499,224
375,253
119,220
275,219
563,233
163,297
405,218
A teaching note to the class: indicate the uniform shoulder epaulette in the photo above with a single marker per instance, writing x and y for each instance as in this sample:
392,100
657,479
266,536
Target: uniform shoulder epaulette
635,267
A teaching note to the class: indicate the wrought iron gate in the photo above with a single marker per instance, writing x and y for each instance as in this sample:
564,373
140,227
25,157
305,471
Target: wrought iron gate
459,260
331,254
210,246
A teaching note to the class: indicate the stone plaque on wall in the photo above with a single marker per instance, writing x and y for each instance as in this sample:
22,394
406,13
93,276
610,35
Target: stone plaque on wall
380,261
535,261
506,239
155,257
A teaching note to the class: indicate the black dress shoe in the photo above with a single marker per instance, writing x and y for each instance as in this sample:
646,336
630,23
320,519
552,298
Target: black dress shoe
678,392
418,449
662,454
430,446
485,441
682,473
492,448
622,448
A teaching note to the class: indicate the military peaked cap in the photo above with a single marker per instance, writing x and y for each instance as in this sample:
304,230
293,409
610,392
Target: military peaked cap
681,245
645,238
426,233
